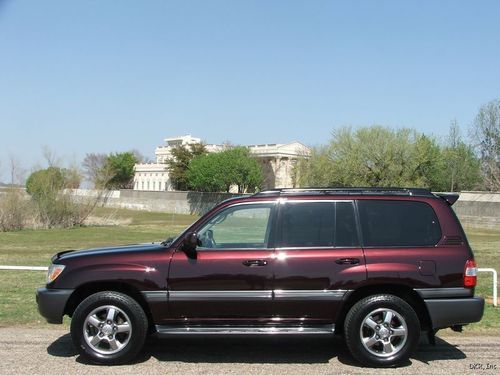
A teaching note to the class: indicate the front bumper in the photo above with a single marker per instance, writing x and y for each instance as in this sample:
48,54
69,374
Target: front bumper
51,303
454,311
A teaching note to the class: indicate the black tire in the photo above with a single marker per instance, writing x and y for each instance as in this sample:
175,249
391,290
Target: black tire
109,328
375,342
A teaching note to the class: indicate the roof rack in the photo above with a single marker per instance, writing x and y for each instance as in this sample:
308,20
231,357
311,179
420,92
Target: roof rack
348,191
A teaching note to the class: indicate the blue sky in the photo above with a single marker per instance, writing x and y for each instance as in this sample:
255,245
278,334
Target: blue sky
106,76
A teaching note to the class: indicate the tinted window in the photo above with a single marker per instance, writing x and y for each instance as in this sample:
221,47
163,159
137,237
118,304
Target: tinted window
244,226
398,223
318,224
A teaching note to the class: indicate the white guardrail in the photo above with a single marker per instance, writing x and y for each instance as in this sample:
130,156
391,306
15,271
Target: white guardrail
491,270
24,268
495,282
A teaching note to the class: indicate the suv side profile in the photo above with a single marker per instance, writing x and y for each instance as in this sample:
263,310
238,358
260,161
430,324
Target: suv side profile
378,266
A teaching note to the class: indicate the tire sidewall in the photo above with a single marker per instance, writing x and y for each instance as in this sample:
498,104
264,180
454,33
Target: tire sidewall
358,313
138,323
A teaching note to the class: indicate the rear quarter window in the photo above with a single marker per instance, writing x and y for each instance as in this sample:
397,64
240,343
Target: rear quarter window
386,223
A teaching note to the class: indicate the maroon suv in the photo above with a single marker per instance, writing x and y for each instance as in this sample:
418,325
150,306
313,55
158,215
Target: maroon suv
376,265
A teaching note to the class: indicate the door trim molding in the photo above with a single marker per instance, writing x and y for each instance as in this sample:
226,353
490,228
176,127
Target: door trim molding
245,295
220,295
298,295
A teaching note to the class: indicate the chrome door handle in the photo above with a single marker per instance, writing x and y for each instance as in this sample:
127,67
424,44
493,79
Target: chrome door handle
347,261
255,262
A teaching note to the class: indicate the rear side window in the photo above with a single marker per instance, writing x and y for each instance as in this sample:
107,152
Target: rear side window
318,224
398,223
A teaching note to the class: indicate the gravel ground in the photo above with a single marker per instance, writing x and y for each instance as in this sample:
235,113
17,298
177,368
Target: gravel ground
50,351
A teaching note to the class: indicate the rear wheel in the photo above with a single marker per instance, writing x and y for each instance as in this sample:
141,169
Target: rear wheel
381,330
109,328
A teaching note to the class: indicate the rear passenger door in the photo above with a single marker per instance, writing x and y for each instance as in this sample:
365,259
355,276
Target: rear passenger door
318,259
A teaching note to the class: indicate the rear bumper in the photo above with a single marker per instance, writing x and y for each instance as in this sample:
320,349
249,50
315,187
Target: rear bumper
454,311
51,303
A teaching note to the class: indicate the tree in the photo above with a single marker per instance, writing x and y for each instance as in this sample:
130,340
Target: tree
207,173
121,166
113,171
51,157
140,157
372,156
17,174
45,182
13,210
51,181
245,171
13,206
53,207
97,169
219,171
461,170
427,163
179,163
486,136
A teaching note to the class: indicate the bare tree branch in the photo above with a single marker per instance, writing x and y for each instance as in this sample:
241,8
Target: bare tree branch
486,135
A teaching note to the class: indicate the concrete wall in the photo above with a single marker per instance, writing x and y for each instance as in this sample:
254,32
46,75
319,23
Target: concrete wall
475,209
167,201
479,209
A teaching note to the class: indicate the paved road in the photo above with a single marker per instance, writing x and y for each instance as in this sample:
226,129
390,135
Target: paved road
49,351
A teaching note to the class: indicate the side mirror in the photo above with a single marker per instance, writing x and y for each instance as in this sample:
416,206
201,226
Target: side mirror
189,244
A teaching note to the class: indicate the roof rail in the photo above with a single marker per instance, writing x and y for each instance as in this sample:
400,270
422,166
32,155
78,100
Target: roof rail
348,191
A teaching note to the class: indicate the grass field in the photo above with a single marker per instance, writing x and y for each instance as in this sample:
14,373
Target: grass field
35,247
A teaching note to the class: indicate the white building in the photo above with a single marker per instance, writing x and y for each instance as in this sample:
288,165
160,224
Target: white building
277,161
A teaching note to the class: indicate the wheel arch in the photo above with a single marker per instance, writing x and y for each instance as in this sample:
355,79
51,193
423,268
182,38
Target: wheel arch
86,290
402,291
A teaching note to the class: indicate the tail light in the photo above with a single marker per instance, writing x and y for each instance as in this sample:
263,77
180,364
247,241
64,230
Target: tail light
470,273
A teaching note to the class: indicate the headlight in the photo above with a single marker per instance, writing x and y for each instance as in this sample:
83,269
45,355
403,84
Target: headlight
54,271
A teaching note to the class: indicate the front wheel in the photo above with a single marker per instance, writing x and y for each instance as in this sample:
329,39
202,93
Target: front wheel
109,328
381,330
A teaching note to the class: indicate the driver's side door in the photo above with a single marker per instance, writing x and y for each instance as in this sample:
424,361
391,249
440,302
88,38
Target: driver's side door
231,276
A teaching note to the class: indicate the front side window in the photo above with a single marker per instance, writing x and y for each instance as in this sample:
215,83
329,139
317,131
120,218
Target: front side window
238,227
318,224
398,223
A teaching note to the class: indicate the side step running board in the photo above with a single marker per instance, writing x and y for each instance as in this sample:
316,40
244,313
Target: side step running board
169,330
